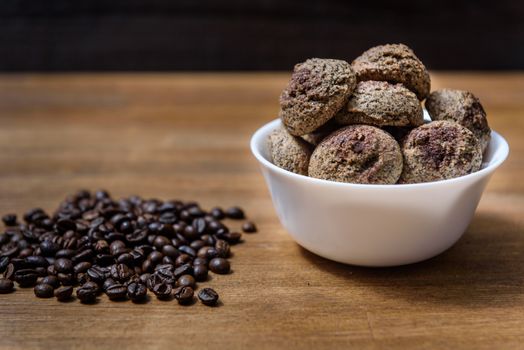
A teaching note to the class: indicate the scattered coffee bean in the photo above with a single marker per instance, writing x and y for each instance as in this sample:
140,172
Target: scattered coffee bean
200,272
235,213
219,265
162,290
9,219
6,286
137,292
184,294
186,281
208,296
64,293
116,292
51,280
119,247
43,290
86,295
26,277
249,227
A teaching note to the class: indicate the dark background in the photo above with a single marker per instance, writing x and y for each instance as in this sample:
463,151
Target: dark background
155,35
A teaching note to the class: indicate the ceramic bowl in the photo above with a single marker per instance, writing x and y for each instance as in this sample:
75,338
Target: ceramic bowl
375,225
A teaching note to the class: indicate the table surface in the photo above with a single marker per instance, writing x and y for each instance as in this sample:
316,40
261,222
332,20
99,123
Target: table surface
186,136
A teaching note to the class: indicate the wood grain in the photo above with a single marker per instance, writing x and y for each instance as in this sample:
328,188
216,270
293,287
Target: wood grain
186,136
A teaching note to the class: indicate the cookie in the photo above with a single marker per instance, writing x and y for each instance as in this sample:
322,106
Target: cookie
360,154
439,150
317,90
289,152
461,107
381,103
316,136
395,63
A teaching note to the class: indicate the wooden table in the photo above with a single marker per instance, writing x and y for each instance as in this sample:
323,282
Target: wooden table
186,136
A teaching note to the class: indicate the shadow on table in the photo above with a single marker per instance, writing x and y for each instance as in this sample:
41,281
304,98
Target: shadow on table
484,269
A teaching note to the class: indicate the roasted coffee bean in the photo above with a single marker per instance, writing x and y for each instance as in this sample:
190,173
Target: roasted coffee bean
116,292
200,272
67,279
65,225
208,296
10,252
137,292
218,213
26,277
144,277
200,261
43,290
51,270
207,253
49,248
147,266
65,253
184,295
9,219
63,265
183,259
125,258
186,281
51,280
155,257
200,226
116,246
120,272
36,261
222,247
108,283
170,251
198,244
96,274
185,269
86,295
92,285
219,265
6,286
187,250
4,261
249,227
85,255
82,267
231,237
161,241
235,213
162,290
64,293
41,271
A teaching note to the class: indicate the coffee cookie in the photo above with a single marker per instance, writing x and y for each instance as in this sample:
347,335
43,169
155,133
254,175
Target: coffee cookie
316,136
289,152
360,154
395,63
317,90
439,150
381,103
461,107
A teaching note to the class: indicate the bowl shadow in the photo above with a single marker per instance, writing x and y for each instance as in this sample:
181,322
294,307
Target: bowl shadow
485,268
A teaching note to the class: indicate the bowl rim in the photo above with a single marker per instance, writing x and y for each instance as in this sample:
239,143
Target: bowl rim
501,152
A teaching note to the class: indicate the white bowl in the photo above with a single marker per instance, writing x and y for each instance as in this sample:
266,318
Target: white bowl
375,225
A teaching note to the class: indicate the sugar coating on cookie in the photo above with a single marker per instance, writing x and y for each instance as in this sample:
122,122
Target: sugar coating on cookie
318,88
381,103
289,152
439,150
360,154
395,63
462,107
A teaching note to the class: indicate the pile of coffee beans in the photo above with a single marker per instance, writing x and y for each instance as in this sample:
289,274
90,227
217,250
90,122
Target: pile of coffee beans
123,248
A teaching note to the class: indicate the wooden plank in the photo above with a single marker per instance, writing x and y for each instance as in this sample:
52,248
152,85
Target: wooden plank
186,136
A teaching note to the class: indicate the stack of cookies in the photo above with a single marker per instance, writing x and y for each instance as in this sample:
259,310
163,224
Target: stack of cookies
363,122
